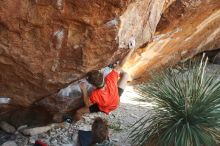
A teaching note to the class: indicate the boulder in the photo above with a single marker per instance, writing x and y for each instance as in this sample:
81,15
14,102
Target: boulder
37,130
9,143
185,29
7,127
45,45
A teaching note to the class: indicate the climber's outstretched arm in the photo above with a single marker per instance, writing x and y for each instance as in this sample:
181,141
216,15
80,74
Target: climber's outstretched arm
119,66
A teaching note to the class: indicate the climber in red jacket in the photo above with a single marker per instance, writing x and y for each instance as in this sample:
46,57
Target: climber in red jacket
105,97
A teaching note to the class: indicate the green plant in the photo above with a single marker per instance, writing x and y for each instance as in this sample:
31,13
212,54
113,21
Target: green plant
116,126
186,112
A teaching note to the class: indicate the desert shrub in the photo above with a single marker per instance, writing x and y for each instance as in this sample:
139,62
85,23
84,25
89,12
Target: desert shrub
186,111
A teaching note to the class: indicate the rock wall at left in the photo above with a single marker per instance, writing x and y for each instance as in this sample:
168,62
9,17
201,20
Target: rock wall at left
46,44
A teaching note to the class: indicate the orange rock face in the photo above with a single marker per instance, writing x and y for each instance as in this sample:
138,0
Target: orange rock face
186,27
47,44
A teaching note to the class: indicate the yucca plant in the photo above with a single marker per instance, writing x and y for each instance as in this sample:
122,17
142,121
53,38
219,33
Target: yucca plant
186,111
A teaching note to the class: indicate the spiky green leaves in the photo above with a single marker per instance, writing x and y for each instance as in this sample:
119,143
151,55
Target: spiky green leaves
186,112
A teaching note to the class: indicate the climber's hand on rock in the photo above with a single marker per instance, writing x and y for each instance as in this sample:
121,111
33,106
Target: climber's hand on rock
82,86
151,40
114,65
